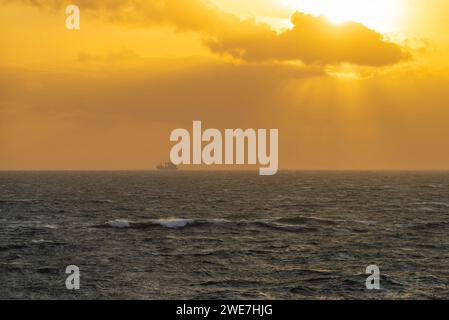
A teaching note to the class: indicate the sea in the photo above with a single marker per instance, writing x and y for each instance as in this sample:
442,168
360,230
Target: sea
224,235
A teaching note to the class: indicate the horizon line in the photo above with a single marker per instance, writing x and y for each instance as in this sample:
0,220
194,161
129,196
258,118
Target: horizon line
228,170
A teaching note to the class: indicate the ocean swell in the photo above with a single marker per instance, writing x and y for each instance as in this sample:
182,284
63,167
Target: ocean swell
290,224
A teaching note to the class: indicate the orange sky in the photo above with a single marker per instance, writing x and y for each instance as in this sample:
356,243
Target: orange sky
369,94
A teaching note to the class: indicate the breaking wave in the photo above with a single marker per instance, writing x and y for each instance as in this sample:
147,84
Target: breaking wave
174,223
285,224
119,223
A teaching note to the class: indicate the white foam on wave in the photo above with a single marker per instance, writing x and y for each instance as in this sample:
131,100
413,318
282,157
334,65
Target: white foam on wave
119,223
174,223
37,241
51,226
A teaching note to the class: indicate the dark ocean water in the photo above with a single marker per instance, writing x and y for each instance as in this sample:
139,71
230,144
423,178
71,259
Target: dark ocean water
154,235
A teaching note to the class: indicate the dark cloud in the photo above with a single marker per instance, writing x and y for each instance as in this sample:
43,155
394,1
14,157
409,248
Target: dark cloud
313,40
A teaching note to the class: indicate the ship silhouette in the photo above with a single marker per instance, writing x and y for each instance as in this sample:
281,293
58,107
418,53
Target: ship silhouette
167,166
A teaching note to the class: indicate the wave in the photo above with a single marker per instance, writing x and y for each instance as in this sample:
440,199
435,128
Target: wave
119,223
101,201
174,223
284,224
51,226
307,220
437,204
12,201
285,227
171,223
430,225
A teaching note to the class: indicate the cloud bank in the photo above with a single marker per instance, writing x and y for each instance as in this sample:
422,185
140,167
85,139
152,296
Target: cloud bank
312,40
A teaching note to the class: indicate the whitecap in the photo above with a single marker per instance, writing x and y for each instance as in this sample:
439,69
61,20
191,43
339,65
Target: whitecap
174,223
119,223
51,226
37,241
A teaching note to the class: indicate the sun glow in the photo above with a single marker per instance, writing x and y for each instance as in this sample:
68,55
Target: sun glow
382,15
